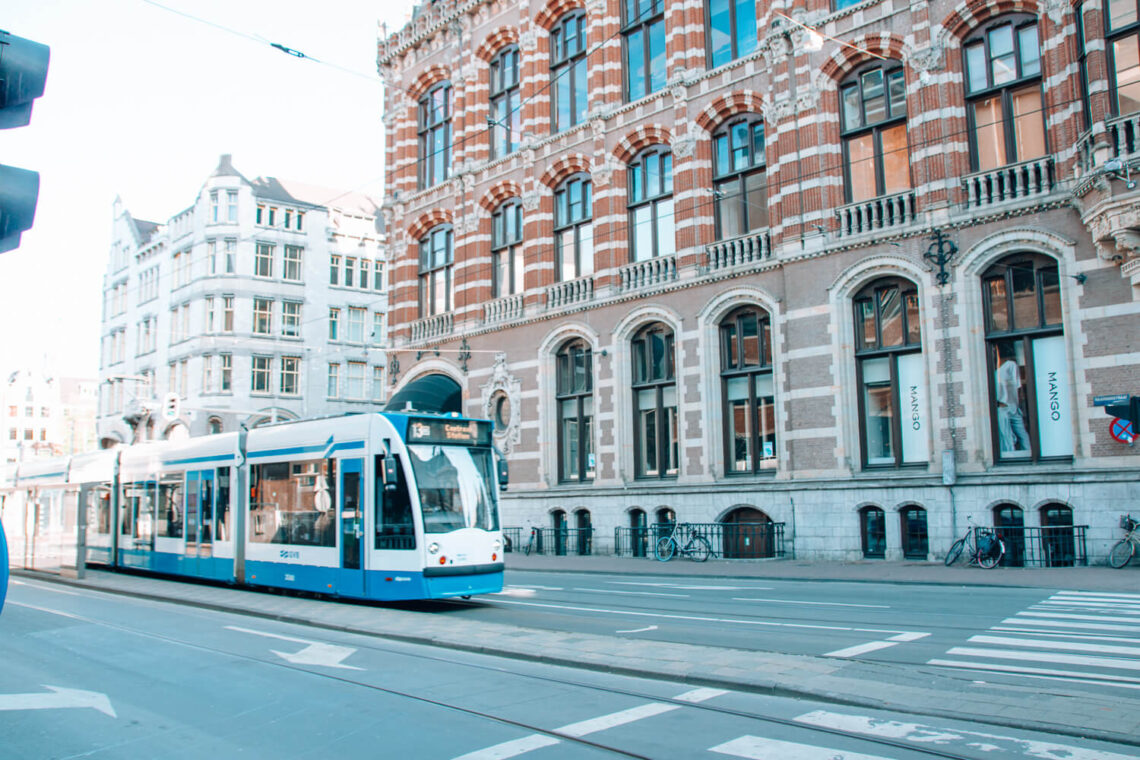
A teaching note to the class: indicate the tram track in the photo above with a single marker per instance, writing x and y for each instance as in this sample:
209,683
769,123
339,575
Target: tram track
551,680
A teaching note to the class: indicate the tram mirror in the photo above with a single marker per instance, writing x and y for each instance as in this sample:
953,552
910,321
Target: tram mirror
391,473
504,476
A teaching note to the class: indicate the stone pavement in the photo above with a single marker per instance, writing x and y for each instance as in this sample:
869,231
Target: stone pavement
1049,706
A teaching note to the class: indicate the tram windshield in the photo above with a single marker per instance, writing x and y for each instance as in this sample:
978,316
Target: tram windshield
456,487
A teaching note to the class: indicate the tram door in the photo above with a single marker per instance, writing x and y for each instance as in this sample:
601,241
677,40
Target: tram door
199,521
351,526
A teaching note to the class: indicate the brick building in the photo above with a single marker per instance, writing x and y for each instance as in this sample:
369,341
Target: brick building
855,269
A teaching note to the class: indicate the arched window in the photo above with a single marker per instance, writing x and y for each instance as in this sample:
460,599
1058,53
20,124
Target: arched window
506,249
915,540
214,425
740,185
638,532
1003,92
1009,521
435,271
1029,375
656,442
584,532
749,392
575,397
876,160
505,111
873,530
731,30
435,135
650,194
568,76
643,27
560,530
573,228
1123,22
893,417
1058,544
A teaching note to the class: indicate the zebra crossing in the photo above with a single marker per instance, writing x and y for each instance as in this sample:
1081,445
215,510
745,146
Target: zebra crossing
1086,637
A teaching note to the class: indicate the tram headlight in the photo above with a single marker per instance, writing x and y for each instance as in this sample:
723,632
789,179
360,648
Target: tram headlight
433,547
496,545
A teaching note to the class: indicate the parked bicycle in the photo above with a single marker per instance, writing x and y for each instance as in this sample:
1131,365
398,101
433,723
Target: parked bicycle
1125,548
695,548
530,541
985,546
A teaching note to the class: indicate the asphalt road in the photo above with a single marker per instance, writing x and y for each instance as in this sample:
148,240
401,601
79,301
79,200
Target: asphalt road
106,676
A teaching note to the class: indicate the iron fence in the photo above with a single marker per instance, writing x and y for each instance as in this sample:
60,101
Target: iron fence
728,540
1048,546
556,541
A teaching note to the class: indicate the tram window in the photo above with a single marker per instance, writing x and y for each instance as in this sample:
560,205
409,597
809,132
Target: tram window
292,503
395,527
223,517
207,509
99,511
170,506
144,511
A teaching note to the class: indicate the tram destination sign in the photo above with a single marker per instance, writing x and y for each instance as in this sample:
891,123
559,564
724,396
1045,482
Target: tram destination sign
458,432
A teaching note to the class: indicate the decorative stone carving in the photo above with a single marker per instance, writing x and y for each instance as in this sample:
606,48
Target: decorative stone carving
598,128
927,59
683,147
679,92
502,399
1115,228
531,201
528,40
1055,9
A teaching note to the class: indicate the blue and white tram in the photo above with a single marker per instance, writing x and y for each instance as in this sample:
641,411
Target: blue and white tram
384,506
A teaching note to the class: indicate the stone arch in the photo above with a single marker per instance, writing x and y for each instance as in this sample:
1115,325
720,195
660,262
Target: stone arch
718,307
563,168
643,137
638,318
426,79
727,106
972,13
496,41
886,265
427,221
566,332
553,10
845,59
981,254
499,192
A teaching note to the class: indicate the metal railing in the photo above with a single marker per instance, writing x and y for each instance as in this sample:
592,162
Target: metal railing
1046,546
738,251
876,214
728,540
556,541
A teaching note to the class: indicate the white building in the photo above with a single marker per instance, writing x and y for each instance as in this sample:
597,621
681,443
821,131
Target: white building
45,416
264,300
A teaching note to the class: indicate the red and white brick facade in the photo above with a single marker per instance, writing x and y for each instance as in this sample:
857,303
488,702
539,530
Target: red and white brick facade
804,270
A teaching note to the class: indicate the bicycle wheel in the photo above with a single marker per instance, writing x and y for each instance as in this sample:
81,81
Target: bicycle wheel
665,549
955,551
699,549
991,560
1121,554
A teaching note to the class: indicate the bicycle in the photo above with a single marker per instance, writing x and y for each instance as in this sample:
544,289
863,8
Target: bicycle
1125,549
696,547
986,547
530,542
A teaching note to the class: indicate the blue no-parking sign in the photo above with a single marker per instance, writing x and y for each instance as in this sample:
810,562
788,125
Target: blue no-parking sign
1122,430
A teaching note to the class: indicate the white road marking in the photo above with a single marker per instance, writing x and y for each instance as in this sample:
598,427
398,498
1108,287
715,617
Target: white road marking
700,618
631,593
43,587
858,649
1126,609
821,604
1067,659
763,748
1073,646
909,636
700,695
1104,679
639,630
592,726
516,592
57,698
1106,594
1065,634
691,587
513,748
539,588
1029,618
930,735
315,653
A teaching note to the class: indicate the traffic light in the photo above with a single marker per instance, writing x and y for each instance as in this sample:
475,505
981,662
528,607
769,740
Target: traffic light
23,72
171,407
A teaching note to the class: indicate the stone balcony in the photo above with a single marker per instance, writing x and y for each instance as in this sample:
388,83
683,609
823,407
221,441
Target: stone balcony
875,215
738,252
1024,181
643,275
433,327
505,309
563,294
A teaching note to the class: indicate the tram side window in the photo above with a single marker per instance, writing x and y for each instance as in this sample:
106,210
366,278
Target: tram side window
222,524
99,510
395,527
207,509
292,503
170,506
138,510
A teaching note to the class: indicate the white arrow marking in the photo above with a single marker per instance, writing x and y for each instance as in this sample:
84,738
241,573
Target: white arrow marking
640,630
316,653
59,697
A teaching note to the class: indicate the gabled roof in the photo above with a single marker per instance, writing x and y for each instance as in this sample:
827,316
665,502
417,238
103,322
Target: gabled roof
288,191
226,168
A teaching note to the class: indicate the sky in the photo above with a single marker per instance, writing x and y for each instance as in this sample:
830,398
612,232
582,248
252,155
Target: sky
140,102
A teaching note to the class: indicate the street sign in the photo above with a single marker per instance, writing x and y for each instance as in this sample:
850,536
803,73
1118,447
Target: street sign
1116,398
1122,430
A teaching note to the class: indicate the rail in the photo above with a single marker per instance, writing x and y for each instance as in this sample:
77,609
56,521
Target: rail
876,214
728,540
432,327
645,274
503,309
1009,183
738,251
1045,546
563,294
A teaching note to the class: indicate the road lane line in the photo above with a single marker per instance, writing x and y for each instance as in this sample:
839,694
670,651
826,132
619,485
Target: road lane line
858,649
690,587
1065,634
909,636
1103,679
700,695
593,725
1125,609
1066,659
1073,646
697,618
1026,618
763,748
631,593
1110,594
822,604
513,748
925,736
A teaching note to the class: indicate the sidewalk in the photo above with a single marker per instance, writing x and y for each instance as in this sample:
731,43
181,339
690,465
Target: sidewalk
1049,706
1097,578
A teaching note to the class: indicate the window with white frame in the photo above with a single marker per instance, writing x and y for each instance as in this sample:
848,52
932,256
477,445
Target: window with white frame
377,383
262,316
355,327
208,373
290,381
435,296
506,249
227,314
231,255
334,324
650,201
334,269
333,385
573,228
263,260
292,263
350,271
291,319
261,374
226,374
231,205
354,380
377,328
